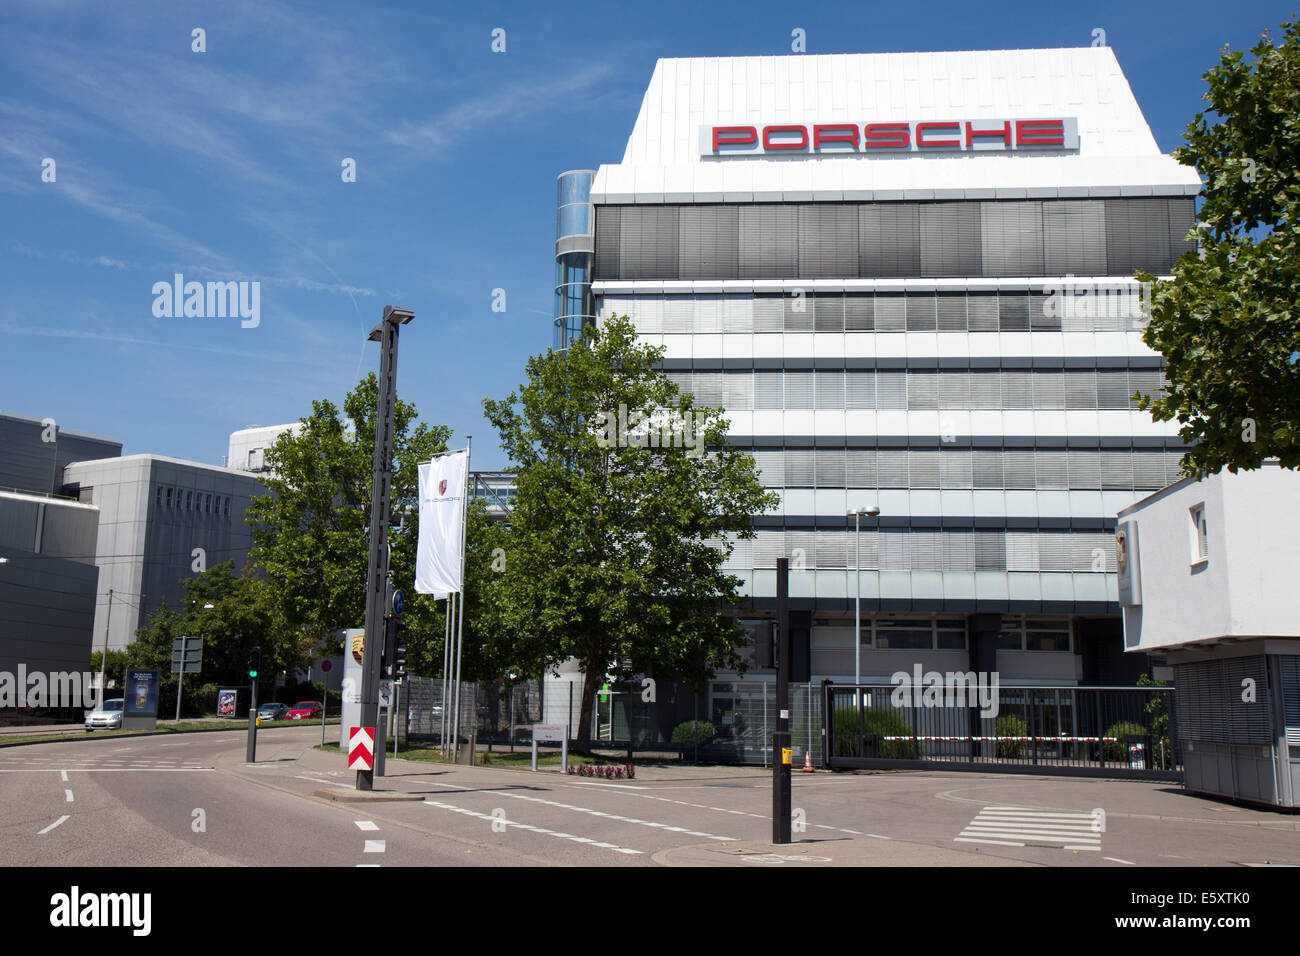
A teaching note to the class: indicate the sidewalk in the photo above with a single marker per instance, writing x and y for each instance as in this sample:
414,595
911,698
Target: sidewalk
831,852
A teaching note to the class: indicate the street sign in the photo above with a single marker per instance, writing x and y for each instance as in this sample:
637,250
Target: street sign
326,666
361,749
187,655
399,602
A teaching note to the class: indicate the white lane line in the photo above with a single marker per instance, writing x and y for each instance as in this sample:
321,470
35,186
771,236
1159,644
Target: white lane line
63,775
52,825
366,824
367,864
1012,826
109,769
68,793
375,846
601,813
498,821
1115,859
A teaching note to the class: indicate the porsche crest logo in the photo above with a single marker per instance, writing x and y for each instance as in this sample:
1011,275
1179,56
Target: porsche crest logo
442,487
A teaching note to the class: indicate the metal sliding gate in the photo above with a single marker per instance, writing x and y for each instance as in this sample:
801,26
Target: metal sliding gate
1063,730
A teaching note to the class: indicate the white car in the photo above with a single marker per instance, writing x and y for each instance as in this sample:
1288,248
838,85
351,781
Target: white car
107,716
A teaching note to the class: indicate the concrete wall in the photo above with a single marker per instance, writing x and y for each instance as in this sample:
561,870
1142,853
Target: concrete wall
29,462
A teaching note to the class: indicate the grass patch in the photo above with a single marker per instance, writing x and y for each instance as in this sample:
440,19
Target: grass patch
483,758
168,727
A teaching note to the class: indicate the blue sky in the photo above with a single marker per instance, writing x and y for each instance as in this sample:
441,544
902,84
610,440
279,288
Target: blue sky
225,165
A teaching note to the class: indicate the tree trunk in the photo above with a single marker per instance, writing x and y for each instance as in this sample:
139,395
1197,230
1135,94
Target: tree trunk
593,676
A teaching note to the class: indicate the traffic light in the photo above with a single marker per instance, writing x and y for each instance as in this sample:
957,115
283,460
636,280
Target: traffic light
254,662
394,648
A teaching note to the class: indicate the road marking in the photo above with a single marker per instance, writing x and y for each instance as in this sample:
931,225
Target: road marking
530,827
1021,826
367,864
375,846
366,824
52,825
63,775
1115,859
69,795
112,769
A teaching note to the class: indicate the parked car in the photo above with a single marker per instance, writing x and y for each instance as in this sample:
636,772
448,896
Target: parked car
107,716
272,711
304,710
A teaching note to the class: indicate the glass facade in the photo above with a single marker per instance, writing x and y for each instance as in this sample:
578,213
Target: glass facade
574,259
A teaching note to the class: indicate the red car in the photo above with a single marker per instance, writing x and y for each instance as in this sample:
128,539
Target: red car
304,710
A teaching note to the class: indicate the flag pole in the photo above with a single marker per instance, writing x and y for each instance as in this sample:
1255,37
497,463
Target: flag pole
460,605
446,675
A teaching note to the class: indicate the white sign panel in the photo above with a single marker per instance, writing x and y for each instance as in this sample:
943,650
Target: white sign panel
438,555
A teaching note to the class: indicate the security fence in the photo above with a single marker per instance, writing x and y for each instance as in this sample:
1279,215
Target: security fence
951,725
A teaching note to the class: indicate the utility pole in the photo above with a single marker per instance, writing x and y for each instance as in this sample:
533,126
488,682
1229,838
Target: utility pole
385,333
103,660
781,739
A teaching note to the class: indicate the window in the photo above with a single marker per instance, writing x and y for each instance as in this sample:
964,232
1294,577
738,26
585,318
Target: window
1200,544
207,504
160,496
1029,633
169,497
227,507
189,501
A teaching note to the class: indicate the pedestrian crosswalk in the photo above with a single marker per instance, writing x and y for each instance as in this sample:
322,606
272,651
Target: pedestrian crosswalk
1026,826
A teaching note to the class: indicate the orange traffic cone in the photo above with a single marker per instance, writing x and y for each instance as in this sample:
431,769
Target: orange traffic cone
807,762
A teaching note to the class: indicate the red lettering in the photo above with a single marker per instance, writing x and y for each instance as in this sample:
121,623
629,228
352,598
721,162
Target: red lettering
734,136
923,129
887,136
1040,133
848,134
802,142
1004,133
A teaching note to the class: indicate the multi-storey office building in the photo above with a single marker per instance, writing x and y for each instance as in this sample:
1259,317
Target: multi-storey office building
908,279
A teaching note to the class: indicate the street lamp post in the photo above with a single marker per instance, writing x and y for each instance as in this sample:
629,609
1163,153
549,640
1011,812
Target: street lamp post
870,511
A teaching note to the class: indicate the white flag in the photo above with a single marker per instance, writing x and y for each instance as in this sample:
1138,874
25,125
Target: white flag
438,557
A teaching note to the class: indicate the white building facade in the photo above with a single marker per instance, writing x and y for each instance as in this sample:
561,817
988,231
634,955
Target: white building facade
908,280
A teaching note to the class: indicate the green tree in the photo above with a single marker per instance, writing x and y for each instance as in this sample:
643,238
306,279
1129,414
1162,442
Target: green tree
310,533
1227,323
616,548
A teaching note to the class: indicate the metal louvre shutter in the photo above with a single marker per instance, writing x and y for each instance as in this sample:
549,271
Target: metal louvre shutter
892,467
800,469
607,241
891,312
1182,219
832,549
985,388
830,388
828,240
738,390
990,551
828,312
799,389
1112,388
678,313
860,468
1290,690
769,245
950,239
923,468
1074,237
891,389
708,313
1049,388
986,466
958,551
738,313
865,549
799,311
801,549
889,240
925,550
1044,314
951,310
1018,468
767,389
1013,311
1054,549
955,468
860,388
768,546
982,311
681,379
771,467
1250,722
922,389
769,313
1017,388
648,242
954,389
1148,469
1147,381
1116,469
709,242
1022,551
742,556
1173,465
1085,469
921,315
1012,237
1209,704
1137,236
1051,470
1080,388
830,467
707,387
892,549
859,313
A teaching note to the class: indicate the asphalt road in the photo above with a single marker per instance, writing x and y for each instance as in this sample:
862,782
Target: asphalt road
191,800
